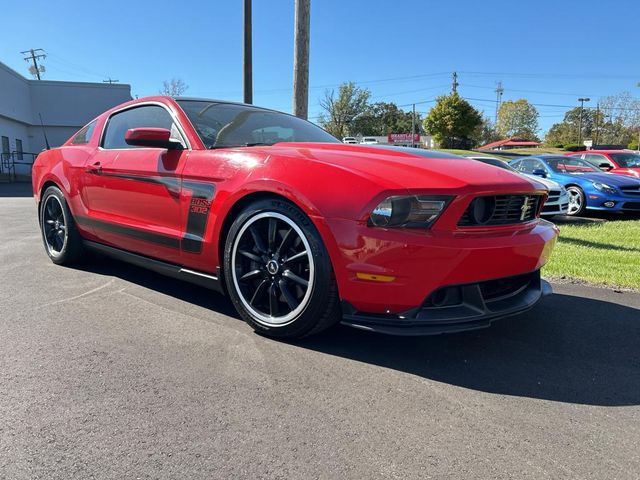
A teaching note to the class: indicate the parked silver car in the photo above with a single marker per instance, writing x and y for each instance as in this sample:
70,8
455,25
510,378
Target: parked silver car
558,201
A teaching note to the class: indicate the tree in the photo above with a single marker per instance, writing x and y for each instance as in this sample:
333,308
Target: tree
567,131
517,119
343,110
384,118
452,121
614,122
174,87
485,132
622,119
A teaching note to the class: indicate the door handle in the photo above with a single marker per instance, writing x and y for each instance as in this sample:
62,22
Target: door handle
96,168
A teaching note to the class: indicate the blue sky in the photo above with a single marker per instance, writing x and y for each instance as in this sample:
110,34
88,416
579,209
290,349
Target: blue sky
550,52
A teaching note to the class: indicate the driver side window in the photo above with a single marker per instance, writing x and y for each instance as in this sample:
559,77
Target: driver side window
146,116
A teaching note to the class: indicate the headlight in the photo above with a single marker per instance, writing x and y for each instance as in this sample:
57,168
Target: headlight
603,187
415,211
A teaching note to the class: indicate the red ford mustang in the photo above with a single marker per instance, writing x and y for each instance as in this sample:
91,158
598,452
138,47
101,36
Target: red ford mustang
300,230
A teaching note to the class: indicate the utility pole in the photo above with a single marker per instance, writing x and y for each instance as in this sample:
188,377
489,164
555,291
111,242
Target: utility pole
247,59
110,81
413,126
454,83
32,56
581,100
499,92
301,58
597,126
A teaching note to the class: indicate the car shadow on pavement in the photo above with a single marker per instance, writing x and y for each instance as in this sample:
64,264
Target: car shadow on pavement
567,349
181,290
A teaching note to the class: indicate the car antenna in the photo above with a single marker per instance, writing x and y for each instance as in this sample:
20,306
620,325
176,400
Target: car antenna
44,132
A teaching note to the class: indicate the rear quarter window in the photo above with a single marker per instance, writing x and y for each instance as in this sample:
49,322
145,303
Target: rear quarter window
84,135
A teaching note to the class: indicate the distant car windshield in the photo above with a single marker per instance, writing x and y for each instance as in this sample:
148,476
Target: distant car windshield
222,125
570,165
626,160
496,163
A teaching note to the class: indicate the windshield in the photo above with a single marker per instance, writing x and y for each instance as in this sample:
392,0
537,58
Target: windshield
570,165
496,163
221,125
626,160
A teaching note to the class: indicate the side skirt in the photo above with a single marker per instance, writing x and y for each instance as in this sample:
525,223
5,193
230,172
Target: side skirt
175,271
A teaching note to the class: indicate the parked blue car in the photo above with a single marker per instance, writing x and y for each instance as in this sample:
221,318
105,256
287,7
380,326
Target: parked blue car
588,186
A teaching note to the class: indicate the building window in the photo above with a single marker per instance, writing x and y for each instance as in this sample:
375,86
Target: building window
5,148
19,149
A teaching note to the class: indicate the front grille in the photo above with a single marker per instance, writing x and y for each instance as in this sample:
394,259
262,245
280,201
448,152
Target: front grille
501,210
631,205
631,190
554,196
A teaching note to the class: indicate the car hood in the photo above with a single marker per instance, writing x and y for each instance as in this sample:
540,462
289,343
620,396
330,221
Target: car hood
410,168
609,178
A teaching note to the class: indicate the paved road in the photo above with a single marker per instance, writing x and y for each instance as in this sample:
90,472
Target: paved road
114,372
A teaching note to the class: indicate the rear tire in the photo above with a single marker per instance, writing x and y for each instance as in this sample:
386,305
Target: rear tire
61,239
278,272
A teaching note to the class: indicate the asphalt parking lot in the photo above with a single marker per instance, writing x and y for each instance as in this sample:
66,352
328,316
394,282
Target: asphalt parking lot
110,371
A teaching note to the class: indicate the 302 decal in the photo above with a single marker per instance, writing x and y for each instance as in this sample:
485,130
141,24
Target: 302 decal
199,209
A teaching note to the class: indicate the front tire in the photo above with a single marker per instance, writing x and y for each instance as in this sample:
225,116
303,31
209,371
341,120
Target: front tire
577,201
61,239
278,272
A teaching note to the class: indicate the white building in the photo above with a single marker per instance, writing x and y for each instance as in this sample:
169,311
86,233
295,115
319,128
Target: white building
64,107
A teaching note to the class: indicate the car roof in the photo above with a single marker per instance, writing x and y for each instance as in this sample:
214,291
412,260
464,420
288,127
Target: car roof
609,151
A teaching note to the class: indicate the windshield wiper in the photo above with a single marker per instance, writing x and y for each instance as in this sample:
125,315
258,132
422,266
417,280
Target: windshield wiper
248,144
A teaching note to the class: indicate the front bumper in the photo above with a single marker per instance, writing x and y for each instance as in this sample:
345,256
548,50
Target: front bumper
621,203
457,308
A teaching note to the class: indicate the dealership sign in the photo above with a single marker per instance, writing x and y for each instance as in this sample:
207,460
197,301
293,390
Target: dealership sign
403,138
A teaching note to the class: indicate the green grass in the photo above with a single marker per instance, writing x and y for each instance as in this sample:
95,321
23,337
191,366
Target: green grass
606,253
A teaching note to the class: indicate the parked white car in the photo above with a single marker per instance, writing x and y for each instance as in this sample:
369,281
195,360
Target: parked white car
368,141
558,201
351,140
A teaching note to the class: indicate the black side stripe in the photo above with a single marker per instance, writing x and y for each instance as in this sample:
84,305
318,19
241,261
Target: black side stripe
198,214
157,238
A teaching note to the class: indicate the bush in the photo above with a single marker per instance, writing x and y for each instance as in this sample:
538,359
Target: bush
633,145
572,147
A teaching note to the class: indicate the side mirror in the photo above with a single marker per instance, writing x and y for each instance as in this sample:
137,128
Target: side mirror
605,166
540,172
151,137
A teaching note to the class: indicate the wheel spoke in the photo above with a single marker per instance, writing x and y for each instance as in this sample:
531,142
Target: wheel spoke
49,222
250,255
251,274
285,242
296,257
288,296
257,240
50,234
259,291
273,224
273,300
292,276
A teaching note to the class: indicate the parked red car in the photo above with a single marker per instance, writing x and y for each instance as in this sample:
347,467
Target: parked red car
623,162
299,229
